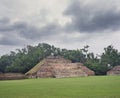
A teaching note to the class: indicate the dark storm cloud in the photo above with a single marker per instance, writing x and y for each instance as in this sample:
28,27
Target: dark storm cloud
92,18
23,30
32,32
4,20
9,40
26,30
5,25
85,18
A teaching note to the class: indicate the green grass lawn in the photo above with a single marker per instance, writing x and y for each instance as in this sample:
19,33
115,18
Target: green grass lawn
82,87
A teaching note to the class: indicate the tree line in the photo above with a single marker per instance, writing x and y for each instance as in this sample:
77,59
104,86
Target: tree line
22,60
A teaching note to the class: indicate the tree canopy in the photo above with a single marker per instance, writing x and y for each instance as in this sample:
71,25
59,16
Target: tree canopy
24,59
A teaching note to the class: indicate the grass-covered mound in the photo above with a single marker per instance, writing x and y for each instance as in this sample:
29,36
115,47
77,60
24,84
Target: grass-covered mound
84,87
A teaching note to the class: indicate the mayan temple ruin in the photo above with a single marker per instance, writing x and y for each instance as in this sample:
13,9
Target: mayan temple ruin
114,71
58,67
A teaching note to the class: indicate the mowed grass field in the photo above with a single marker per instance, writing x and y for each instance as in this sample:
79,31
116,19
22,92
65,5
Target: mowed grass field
81,87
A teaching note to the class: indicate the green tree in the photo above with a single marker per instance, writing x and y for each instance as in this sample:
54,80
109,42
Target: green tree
110,56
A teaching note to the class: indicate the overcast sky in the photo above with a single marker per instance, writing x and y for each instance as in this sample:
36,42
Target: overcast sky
69,24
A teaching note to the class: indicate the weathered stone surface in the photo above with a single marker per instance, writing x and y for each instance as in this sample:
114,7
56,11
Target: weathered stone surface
60,70
11,76
114,71
58,67
86,70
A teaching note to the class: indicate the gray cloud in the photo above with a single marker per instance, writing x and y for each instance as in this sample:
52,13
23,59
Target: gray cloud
83,22
14,33
10,40
88,17
5,25
32,32
4,20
